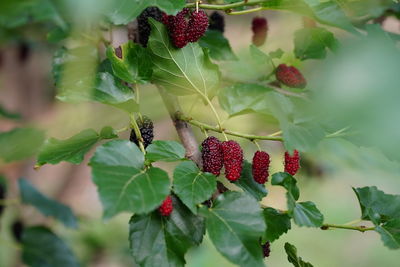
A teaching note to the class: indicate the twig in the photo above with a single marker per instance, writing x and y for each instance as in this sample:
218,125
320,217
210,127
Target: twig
205,126
360,228
183,129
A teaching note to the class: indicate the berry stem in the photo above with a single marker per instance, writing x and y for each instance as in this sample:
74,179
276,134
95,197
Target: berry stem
258,146
135,127
202,125
347,227
216,116
246,11
227,6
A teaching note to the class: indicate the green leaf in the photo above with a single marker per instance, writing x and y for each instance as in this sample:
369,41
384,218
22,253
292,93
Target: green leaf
30,195
20,143
192,185
123,185
307,214
277,224
134,66
112,91
71,150
122,12
9,115
185,71
313,42
107,132
243,98
247,183
165,151
235,224
287,181
291,252
327,12
102,86
41,247
302,136
374,204
158,241
390,233
74,71
218,45
278,53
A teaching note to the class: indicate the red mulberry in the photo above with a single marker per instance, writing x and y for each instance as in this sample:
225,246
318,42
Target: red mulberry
212,155
290,76
146,130
266,249
233,159
197,26
260,30
292,162
166,207
217,22
260,167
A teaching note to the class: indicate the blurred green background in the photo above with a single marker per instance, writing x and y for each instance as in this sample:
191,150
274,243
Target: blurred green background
358,87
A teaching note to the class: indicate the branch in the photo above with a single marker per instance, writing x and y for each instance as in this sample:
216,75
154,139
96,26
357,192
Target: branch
184,130
228,7
360,228
204,126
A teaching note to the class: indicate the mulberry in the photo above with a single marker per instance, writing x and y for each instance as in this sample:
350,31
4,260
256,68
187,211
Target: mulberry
266,249
212,155
233,159
290,76
260,167
197,26
144,28
217,22
17,228
166,207
186,26
177,28
292,162
260,30
146,130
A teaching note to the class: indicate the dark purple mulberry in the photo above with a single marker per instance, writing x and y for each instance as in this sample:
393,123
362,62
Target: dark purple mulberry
212,155
146,130
217,22
233,159
260,167
144,28
266,249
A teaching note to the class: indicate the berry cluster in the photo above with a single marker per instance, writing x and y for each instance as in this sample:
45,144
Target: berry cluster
212,155
290,76
260,167
187,26
260,30
146,130
292,162
229,154
144,28
166,207
217,22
